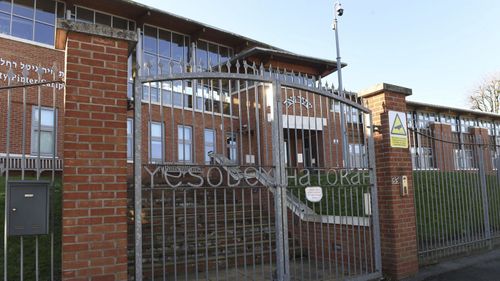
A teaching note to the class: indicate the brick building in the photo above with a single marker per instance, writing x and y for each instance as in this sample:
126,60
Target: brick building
85,55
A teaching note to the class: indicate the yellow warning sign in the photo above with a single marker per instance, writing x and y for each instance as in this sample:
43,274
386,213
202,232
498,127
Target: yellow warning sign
398,129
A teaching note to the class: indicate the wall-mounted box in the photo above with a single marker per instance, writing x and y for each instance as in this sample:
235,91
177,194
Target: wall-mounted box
28,208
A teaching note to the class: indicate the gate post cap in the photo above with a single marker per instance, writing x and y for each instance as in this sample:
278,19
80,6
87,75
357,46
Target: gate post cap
384,87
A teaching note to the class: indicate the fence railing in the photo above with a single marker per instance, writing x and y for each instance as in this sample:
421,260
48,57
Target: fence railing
457,194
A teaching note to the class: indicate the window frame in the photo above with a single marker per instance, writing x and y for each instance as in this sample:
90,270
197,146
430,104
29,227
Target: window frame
130,139
34,21
160,139
35,127
206,144
182,142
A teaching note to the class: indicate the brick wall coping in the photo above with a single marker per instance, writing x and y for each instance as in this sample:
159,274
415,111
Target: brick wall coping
98,29
384,87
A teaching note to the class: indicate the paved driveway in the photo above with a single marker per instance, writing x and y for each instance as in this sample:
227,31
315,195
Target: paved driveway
485,267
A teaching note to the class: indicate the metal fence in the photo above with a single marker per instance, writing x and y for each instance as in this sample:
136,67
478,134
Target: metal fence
29,103
457,192
247,172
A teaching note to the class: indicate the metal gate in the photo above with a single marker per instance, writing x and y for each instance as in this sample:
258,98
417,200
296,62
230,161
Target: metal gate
457,191
249,172
30,173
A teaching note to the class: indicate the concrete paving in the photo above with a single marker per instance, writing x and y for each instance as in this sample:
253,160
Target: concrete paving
484,267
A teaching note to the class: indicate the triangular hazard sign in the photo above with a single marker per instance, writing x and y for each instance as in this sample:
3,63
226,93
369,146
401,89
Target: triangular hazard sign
397,127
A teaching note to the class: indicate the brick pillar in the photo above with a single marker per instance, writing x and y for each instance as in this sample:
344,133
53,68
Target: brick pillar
94,236
480,135
442,150
397,213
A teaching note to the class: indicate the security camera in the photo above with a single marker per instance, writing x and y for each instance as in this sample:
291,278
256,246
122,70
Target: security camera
339,9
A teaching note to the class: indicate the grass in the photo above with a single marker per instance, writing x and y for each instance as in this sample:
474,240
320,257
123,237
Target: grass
449,205
29,254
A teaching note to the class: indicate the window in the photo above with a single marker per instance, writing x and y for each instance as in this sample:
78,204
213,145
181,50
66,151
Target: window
164,47
185,138
424,119
494,158
422,158
357,155
156,142
45,129
464,159
352,115
409,119
30,19
232,147
211,55
82,14
336,106
465,124
209,137
130,139
130,82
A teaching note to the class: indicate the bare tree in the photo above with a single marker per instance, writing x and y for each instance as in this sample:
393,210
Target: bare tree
486,97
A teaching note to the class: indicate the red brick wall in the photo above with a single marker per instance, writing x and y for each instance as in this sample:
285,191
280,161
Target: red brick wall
94,194
19,55
397,213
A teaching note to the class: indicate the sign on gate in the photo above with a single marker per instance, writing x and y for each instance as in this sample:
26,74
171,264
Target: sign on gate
398,129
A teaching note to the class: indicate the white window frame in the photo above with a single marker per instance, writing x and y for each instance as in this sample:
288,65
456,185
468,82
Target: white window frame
462,160
156,139
185,144
209,145
130,139
424,160
36,126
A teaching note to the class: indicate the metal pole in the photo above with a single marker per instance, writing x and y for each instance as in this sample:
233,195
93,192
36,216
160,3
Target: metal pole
280,197
484,191
374,193
137,161
345,146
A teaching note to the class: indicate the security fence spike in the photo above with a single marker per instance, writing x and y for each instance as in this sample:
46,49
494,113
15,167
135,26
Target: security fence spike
25,72
160,68
10,73
238,65
39,70
170,67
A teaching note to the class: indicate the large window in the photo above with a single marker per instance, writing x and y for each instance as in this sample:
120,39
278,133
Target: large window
156,142
422,158
164,48
209,138
33,20
211,55
464,159
82,14
185,138
130,139
43,126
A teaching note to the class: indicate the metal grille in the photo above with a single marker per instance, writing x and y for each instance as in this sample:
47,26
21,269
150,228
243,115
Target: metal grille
457,191
29,104
223,157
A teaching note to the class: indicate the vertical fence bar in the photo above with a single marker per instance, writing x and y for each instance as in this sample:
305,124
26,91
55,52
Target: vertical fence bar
484,191
282,257
137,162
374,193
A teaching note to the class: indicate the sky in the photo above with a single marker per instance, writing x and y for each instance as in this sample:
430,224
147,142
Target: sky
442,49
